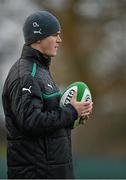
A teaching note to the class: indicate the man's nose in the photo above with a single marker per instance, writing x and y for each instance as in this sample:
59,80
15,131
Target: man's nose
59,39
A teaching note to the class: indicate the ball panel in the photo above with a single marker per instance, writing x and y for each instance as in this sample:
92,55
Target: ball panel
67,95
87,95
81,89
83,93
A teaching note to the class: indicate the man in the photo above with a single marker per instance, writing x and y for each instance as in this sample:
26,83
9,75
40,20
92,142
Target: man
39,131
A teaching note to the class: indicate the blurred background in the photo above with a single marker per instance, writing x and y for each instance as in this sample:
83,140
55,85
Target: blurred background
93,51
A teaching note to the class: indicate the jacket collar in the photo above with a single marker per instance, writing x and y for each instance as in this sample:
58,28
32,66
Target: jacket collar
34,55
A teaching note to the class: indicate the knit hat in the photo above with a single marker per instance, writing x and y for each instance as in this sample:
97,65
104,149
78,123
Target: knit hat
40,25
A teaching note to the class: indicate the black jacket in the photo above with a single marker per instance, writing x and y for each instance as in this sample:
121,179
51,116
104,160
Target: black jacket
38,130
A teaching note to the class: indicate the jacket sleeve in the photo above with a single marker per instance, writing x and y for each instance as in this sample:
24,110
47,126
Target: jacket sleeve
27,106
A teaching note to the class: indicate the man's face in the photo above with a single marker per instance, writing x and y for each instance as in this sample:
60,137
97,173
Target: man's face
49,45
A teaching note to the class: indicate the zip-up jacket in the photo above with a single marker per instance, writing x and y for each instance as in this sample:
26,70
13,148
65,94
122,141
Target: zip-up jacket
38,129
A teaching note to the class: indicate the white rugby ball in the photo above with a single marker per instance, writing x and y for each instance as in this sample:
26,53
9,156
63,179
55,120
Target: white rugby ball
83,93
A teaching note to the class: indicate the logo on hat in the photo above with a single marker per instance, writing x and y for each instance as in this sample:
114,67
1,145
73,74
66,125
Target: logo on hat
38,32
35,24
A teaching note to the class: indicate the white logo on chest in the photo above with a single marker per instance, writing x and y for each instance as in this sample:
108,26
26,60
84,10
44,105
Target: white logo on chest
49,85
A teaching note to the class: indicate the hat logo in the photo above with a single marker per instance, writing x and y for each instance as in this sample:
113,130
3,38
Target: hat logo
35,24
38,32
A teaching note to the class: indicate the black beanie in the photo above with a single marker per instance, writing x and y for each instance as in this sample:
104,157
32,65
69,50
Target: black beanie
40,25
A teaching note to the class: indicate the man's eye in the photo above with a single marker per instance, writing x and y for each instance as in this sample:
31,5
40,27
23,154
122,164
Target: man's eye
55,34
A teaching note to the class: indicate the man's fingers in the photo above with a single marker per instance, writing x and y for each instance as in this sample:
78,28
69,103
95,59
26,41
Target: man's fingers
89,109
84,119
85,114
87,103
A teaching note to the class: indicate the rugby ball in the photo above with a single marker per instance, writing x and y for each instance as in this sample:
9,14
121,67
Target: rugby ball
83,93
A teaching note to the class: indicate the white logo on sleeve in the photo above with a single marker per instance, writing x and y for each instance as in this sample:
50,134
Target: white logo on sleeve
27,89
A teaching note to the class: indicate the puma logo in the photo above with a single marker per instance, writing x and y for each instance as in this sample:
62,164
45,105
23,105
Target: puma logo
49,85
25,89
38,32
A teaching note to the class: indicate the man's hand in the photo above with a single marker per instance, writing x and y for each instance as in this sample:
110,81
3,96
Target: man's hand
84,109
